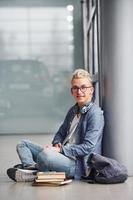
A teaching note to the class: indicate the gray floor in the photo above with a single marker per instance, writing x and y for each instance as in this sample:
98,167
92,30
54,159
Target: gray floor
76,190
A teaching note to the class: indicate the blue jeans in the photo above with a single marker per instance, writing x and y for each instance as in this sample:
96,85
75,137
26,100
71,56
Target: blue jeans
46,160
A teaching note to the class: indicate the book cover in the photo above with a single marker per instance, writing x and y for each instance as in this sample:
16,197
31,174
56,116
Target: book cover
52,183
51,175
49,180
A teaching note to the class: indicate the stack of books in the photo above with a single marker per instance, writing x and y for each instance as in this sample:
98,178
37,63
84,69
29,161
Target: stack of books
51,179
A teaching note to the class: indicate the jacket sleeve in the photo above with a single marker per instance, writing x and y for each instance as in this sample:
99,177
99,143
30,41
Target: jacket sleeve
92,136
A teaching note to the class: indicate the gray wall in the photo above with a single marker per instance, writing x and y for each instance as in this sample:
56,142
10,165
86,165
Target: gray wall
117,64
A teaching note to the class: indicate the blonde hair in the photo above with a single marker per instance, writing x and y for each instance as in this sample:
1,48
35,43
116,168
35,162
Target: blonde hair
81,73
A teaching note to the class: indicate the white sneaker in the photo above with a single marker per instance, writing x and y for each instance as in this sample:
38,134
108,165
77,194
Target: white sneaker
22,175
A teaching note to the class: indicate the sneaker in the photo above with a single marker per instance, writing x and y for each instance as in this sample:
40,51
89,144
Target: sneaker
21,175
20,166
31,167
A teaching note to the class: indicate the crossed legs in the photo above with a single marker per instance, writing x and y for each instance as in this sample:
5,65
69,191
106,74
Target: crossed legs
32,154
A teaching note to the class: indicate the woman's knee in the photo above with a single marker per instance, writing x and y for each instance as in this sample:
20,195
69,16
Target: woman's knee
43,160
21,144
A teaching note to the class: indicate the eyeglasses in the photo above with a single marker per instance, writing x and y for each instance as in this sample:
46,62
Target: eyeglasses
83,88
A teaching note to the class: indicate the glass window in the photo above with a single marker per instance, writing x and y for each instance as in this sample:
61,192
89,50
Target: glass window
37,56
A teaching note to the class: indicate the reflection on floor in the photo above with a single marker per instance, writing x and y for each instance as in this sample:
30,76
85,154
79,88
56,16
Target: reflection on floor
76,190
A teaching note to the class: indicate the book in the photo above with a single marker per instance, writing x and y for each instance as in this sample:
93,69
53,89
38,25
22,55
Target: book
51,175
51,178
48,180
52,183
50,172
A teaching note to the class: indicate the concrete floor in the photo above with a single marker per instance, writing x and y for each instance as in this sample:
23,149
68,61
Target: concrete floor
77,190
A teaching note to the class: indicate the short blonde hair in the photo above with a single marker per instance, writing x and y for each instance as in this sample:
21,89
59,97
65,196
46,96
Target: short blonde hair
81,73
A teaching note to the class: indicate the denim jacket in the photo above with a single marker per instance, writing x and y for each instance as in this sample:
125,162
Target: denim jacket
90,130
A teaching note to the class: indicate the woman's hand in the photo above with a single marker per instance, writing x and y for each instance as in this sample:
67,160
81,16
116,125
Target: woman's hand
56,147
